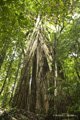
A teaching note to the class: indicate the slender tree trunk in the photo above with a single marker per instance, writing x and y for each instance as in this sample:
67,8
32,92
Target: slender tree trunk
7,74
6,94
55,75
55,91
3,53
16,78
33,86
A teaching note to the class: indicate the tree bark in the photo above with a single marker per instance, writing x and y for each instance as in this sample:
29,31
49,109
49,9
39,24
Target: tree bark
42,103
55,75
33,86
22,90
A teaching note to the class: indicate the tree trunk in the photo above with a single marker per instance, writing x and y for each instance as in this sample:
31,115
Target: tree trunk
13,88
3,53
35,67
7,74
44,86
22,90
39,77
42,80
55,75
33,86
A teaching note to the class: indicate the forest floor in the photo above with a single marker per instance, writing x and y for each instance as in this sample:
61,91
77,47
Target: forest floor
17,114
23,114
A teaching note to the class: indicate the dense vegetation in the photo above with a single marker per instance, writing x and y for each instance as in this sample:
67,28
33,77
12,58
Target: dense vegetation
40,55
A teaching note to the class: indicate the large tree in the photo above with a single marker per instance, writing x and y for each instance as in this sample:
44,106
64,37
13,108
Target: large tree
34,34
